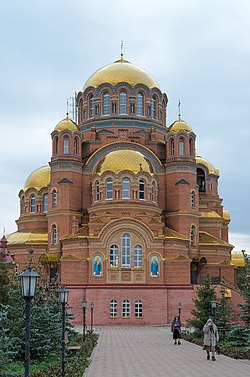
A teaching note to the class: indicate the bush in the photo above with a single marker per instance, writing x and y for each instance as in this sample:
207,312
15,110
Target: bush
227,350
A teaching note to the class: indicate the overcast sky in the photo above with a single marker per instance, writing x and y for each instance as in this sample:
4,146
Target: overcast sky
197,50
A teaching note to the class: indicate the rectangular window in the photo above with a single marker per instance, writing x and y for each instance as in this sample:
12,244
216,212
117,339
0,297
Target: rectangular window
126,251
138,308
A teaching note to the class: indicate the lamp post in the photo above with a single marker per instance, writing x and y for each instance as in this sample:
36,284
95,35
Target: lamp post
28,285
64,293
179,310
84,305
213,306
91,318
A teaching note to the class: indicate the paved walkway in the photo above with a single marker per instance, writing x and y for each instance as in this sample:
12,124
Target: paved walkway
149,352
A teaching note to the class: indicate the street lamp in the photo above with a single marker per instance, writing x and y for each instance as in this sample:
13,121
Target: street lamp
213,306
28,285
84,305
91,318
64,293
179,309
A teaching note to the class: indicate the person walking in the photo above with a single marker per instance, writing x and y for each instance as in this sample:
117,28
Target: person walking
211,338
176,329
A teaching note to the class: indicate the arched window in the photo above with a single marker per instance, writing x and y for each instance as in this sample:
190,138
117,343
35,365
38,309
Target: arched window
138,308
45,203
54,198
32,203
56,145
97,191
172,147
113,256
139,108
137,256
126,250
192,236
190,147
126,188
181,147
123,103
109,189
154,107
66,145
113,308
91,106
75,145
141,189
54,234
106,104
126,308
201,180
153,197
84,114
192,199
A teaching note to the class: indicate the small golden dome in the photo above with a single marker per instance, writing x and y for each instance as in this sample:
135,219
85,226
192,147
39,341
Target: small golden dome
226,214
38,179
66,125
211,170
124,159
180,125
121,71
237,258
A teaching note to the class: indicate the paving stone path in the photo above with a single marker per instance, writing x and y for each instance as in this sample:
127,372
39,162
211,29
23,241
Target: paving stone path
149,352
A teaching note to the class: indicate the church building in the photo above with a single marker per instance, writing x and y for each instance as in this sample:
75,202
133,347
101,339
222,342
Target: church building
125,211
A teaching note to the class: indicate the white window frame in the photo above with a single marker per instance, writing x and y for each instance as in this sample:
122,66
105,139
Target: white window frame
181,145
137,256
154,107
109,189
138,309
126,188
142,189
32,203
106,103
66,145
192,199
97,191
123,103
139,107
54,198
113,255
91,107
126,250
126,309
54,234
45,203
113,309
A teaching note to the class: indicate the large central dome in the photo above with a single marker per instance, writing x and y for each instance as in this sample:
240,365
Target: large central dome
125,159
121,71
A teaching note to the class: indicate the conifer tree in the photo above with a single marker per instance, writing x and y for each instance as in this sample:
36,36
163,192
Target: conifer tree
203,310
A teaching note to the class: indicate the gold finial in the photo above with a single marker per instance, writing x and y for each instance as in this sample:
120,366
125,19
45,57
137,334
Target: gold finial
179,106
4,231
121,50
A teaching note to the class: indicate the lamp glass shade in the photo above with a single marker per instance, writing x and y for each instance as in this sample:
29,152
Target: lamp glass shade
91,305
64,294
28,282
84,303
213,304
179,306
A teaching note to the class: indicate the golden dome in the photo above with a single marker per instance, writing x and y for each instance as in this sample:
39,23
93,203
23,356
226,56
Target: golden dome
66,125
211,170
237,258
179,125
226,214
38,179
124,159
121,71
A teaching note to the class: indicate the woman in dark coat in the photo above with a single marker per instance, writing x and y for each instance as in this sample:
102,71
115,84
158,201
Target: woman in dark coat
176,329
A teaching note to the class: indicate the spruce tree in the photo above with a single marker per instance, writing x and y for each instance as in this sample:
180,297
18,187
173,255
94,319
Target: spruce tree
203,310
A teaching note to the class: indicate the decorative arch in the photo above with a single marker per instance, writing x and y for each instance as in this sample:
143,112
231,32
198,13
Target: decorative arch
100,153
